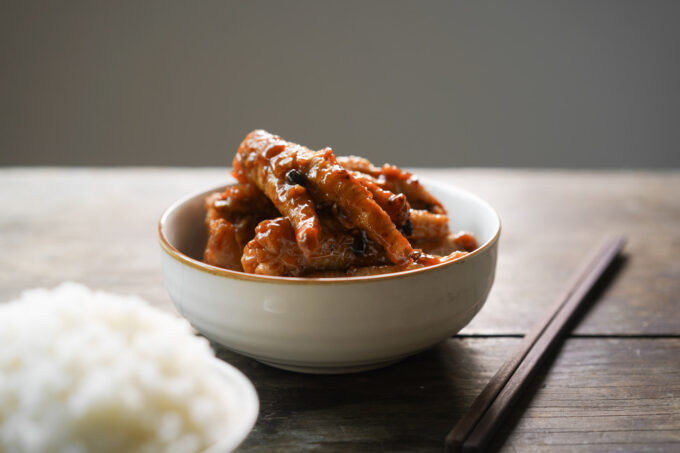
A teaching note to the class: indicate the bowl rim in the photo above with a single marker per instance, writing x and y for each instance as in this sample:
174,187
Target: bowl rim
248,407
238,275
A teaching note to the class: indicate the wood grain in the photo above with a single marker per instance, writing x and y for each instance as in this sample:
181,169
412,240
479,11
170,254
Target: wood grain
600,394
98,226
475,430
405,407
551,219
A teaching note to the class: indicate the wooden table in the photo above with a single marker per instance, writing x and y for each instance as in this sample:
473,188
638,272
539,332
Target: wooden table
614,385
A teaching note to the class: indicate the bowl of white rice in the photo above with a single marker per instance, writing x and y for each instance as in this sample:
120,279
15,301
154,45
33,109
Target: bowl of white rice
84,371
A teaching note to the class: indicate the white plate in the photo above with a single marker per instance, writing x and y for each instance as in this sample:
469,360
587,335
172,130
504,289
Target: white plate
245,406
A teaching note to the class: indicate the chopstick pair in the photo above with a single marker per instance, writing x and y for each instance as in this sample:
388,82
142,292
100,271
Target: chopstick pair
475,429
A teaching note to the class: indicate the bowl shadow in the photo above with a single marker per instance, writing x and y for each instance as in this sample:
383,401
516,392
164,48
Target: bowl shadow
407,406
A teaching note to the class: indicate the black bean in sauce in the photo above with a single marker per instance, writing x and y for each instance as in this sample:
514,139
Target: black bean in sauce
294,177
359,245
324,208
407,227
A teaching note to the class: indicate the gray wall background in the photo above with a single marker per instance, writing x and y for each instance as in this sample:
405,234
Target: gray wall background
520,84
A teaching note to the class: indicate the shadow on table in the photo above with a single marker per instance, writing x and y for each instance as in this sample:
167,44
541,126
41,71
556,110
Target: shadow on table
404,407
614,272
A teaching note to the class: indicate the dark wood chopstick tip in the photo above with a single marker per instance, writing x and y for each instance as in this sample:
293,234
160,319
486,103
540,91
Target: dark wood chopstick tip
475,429
453,445
456,446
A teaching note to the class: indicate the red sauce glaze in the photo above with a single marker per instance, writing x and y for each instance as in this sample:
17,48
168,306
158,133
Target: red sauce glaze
298,212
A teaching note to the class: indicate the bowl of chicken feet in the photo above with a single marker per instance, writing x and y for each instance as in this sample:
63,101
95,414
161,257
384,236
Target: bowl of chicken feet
317,263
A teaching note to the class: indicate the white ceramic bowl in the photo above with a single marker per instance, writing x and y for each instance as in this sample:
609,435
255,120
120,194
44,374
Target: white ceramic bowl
329,325
245,408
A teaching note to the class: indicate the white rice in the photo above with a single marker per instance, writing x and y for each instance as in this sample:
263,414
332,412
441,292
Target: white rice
84,371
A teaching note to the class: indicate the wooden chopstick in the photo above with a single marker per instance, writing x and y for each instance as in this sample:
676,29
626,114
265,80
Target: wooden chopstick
475,429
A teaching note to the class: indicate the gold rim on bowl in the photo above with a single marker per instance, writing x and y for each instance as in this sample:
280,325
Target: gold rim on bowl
201,266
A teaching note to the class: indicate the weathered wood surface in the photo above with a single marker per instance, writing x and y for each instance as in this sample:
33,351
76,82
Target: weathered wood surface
409,406
551,220
599,395
99,227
